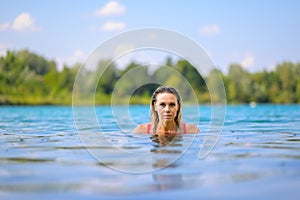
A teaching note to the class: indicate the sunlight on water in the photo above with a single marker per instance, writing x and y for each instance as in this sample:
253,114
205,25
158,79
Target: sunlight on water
42,156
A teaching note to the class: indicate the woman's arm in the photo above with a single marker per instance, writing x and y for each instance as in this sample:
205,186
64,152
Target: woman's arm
191,128
142,128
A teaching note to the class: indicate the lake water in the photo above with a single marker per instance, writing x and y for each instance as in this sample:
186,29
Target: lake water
43,156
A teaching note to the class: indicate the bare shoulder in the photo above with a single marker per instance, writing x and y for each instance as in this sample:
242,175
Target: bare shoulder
191,128
142,128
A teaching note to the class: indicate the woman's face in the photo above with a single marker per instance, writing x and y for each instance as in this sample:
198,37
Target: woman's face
166,106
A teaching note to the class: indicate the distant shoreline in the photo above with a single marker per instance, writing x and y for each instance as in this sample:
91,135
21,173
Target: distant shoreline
137,104
27,78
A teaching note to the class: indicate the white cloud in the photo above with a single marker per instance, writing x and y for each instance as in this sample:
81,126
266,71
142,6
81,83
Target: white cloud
113,26
122,48
78,54
24,22
212,29
76,57
111,8
271,68
4,26
248,61
3,49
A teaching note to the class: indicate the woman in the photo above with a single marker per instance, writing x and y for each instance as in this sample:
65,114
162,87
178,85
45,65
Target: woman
166,114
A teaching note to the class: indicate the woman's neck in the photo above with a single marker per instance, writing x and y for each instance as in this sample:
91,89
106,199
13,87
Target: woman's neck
167,127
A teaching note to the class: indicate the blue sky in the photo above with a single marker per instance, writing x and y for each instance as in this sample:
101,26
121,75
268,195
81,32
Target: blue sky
256,34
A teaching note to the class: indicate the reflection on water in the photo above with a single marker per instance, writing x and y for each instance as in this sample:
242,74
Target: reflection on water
166,140
165,145
42,156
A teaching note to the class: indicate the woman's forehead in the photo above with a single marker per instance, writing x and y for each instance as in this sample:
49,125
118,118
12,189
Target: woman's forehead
166,97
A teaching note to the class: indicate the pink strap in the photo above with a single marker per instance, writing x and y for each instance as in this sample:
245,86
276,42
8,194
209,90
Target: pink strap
148,128
184,128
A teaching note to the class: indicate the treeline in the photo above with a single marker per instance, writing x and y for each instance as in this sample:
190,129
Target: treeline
28,78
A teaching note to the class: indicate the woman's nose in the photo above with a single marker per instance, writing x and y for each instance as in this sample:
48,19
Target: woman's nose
167,108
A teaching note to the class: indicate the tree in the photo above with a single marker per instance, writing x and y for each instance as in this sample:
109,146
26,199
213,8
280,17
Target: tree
191,74
287,80
239,84
36,63
216,89
108,78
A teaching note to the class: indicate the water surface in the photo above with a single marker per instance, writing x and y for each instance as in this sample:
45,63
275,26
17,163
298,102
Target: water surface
42,156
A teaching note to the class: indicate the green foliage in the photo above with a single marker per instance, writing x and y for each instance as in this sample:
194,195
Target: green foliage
28,78
239,88
36,63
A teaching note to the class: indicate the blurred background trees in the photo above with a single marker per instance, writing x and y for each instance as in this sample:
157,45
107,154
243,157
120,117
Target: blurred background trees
28,78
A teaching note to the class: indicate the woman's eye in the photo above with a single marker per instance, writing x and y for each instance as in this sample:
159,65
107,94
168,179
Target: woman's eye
162,105
172,104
